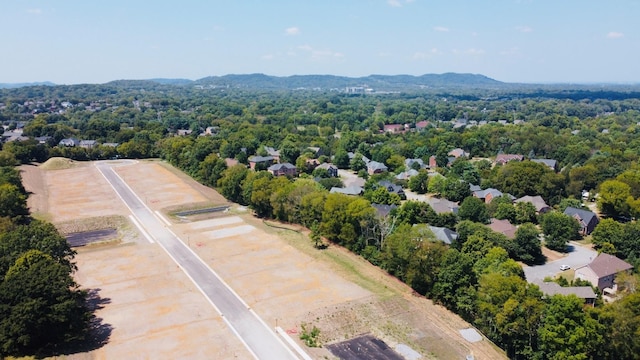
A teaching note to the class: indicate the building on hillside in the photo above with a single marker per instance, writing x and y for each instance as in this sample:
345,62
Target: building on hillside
487,195
349,190
457,152
393,188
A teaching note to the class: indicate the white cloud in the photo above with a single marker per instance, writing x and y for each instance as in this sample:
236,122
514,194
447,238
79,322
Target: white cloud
398,3
268,57
320,54
441,29
510,52
614,35
524,29
36,11
427,55
292,31
470,51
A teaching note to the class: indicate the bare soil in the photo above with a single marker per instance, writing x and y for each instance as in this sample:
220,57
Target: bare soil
154,311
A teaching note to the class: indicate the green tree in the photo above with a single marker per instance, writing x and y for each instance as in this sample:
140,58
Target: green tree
608,231
419,183
505,211
525,212
558,230
527,244
567,331
41,307
473,209
210,169
612,198
230,184
13,203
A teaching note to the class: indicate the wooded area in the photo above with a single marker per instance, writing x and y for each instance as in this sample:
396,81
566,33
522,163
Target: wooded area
592,136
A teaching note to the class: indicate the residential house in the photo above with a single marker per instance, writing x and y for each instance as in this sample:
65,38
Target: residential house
374,167
583,292
69,142
587,219
316,151
537,201
489,194
312,163
42,139
394,128
393,188
231,162
502,159
550,163
456,153
442,206
421,125
331,169
88,144
265,161
409,163
275,154
443,234
352,155
601,272
433,163
349,190
503,227
285,169
406,175
383,210
184,132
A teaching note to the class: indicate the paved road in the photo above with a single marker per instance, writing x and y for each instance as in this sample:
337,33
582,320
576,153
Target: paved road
578,256
261,341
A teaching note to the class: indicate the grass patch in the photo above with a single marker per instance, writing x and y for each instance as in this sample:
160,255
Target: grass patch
58,163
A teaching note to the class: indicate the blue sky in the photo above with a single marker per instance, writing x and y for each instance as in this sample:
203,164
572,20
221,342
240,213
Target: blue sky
532,41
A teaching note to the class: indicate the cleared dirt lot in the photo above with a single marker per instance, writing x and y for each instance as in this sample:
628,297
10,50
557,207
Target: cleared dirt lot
154,311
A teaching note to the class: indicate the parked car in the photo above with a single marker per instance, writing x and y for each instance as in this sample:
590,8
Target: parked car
565,267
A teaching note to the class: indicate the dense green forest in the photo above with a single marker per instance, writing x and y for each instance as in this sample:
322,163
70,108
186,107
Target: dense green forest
592,134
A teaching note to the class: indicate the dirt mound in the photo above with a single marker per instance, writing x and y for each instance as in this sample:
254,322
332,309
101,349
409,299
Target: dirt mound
58,163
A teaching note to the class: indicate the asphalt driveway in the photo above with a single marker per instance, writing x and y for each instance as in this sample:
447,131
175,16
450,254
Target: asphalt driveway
576,257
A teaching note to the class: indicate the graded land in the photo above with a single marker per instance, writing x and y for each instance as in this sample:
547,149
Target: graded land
153,310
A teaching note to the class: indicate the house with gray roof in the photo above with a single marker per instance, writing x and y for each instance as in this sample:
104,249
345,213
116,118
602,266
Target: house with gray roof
383,210
331,169
349,190
489,194
443,234
285,169
537,201
406,175
502,159
264,160
69,142
550,163
601,272
408,163
587,219
583,292
374,167
393,188
442,206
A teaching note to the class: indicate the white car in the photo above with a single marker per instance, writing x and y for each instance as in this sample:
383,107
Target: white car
565,267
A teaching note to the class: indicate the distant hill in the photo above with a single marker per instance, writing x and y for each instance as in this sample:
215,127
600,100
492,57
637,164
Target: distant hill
376,82
19,85
172,81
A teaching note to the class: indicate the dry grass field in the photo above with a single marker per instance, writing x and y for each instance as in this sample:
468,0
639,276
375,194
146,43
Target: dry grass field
152,309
